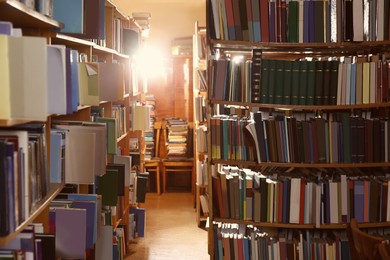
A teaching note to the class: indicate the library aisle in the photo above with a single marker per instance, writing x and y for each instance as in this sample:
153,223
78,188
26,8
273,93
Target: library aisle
171,230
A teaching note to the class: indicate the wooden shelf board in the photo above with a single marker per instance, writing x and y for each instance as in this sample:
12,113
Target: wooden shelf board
55,189
302,107
22,16
300,47
301,226
305,165
105,50
71,41
12,122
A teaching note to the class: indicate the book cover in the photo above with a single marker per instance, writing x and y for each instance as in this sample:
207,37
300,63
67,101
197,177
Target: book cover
107,186
70,232
56,82
71,14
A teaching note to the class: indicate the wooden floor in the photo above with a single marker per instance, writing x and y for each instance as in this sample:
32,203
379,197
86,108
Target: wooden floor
171,230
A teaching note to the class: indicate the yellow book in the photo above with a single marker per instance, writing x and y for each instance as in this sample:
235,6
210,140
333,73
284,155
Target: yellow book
5,101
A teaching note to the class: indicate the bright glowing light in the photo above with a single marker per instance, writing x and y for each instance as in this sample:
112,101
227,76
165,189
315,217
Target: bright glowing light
151,62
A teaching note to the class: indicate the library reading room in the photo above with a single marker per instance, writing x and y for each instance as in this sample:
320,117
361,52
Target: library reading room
194,129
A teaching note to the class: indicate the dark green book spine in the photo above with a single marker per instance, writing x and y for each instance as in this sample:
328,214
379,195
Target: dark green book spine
264,86
279,73
303,82
295,82
334,74
293,31
287,82
271,82
319,82
326,83
310,83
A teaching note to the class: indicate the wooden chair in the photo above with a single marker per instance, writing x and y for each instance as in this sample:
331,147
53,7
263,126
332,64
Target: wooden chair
384,250
362,245
175,165
154,164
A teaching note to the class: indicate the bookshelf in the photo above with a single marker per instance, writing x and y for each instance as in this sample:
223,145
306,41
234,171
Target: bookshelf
94,52
262,176
200,123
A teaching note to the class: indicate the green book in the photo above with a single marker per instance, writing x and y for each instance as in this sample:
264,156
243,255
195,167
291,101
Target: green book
271,82
111,133
279,77
287,82
334,73
310,87
303,81
264,86
293,29
295,82
319,82
108,187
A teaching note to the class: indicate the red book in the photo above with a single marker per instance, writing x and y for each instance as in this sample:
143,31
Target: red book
217,191
302,202
264,23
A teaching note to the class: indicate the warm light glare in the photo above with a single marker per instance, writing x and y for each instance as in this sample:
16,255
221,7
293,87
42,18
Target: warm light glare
151,62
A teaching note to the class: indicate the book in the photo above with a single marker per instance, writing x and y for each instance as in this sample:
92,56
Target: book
107,186
88,84
70,232
56,65
71,14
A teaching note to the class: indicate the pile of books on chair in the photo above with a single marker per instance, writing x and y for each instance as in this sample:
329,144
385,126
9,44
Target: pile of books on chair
177,138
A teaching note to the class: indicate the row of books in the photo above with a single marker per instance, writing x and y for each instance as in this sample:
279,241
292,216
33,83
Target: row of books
119,112
235,241
150,135
54,82
24,177
251,196
299,21
300,139
31,243
332,81
200,109
202,173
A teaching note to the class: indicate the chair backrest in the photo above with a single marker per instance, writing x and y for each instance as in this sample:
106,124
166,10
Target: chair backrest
157,131
362,245
384,250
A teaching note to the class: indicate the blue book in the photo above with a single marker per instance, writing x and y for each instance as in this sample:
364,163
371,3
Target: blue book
91,211
5,27
246,249
140,219
56,157
75,79
353,84
71,14
359,200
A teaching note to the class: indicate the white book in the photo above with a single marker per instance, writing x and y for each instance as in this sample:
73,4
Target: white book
5,97
295,200
334,207
56,79
358,20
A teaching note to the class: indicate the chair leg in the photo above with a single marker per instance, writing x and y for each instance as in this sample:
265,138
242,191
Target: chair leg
164,173
158,180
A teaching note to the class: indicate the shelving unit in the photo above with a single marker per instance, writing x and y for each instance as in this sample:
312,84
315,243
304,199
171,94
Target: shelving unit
241,226
34,23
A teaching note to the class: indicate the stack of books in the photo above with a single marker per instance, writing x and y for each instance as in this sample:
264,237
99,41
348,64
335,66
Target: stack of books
149,137
177,138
